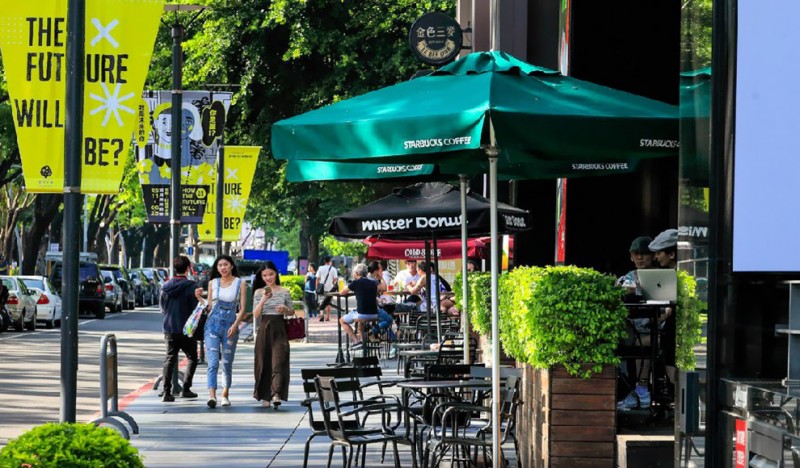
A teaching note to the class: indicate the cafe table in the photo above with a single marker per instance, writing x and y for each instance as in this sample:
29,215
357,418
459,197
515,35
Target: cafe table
409,355
340,357
409,385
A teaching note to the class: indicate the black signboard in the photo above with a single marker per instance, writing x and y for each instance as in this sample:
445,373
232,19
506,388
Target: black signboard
156,201
435,38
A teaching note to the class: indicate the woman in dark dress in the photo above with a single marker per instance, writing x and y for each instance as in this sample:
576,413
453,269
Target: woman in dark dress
272,344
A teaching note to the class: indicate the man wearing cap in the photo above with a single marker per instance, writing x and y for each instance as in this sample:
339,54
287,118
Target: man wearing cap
665,249
642,257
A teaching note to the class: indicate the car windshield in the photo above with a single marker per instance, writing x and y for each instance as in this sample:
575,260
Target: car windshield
148,274
108,274
34,283
9,284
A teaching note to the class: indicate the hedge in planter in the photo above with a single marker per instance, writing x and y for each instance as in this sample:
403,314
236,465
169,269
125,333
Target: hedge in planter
687,321
75,445
563,315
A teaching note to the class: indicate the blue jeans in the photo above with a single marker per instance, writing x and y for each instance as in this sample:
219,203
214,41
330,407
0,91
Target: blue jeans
384,321
217,342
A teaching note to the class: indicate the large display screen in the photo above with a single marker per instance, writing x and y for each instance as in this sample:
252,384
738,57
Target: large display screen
766,202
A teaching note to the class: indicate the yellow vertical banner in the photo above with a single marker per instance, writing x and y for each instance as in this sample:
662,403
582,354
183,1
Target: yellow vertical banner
118,46
240,166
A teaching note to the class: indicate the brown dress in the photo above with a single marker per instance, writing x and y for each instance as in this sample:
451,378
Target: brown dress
272,349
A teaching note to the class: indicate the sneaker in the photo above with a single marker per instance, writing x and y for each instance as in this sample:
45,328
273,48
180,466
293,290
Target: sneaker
358,345
644,396
392,353
631,401
186,393
226,401
212,403
167,397
321,318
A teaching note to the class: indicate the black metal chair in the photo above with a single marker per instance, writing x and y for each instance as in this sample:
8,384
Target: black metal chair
343,424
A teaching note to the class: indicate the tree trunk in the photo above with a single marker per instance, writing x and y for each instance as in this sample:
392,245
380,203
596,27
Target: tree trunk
313,248
304,250
46,207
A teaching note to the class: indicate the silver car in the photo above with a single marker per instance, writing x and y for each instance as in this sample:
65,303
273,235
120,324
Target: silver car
21,304
48,302
114,293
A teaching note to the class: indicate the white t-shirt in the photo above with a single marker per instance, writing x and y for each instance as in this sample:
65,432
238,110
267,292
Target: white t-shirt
329,279
228,294
404,277
387,298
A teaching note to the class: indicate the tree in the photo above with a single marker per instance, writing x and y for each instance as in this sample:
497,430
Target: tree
290,58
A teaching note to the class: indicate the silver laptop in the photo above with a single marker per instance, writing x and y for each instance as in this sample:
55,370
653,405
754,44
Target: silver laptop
658,285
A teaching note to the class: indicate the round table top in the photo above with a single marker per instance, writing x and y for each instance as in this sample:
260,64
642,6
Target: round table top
418,352
466,383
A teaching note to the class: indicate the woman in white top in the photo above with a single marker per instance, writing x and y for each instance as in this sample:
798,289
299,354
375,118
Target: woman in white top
227,296
271,302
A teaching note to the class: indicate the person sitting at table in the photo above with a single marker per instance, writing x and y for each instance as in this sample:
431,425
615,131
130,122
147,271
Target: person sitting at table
665,249
385,319
448,308
407,277
638,394
642,257
366,292
419,288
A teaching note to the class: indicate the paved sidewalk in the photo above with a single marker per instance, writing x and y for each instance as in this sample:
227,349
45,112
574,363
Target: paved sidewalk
187,433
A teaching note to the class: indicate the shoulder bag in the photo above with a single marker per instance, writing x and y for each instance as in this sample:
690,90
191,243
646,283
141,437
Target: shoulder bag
321,285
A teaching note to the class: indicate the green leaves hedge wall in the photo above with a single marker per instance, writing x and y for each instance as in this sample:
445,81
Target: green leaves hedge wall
687,321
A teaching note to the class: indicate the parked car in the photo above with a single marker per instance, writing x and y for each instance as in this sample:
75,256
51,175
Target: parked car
114,293
145,288
155,278
163,273
48,302
21,304
91,296
129,289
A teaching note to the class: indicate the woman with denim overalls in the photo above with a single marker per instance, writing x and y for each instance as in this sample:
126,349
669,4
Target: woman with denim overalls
226,294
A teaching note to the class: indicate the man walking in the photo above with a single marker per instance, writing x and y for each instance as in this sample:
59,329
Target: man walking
327,277
177,302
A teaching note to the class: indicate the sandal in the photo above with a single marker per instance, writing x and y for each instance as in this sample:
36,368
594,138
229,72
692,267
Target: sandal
265,403
276,402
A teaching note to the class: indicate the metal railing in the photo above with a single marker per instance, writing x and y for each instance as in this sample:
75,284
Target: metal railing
109,389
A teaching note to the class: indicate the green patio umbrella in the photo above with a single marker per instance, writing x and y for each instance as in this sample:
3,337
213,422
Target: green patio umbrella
302,171
486,107
695,125
443,118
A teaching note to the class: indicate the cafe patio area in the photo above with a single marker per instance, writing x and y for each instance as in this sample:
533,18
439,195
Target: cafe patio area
188,433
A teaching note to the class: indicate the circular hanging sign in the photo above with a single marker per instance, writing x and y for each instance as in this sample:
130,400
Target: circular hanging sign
435,38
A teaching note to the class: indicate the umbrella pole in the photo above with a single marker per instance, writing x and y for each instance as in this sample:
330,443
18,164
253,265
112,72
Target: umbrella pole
493,152
435,289
464,285
428,289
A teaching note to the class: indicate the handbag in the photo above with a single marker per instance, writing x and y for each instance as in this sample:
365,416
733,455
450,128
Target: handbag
321,286
295,328
195,321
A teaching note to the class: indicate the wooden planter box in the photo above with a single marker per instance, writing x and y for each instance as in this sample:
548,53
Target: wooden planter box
567,421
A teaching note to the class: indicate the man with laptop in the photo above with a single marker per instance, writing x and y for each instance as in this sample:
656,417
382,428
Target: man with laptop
655,284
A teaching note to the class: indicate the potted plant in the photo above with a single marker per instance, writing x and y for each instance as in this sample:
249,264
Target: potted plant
66,444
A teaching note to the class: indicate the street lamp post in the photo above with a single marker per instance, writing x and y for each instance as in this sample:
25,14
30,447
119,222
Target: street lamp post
178,31
73,135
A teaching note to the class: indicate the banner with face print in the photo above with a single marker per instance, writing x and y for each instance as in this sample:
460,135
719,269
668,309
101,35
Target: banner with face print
119,37
240,167
202,121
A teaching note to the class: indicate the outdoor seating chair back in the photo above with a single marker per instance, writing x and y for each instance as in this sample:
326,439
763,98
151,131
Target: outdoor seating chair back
343,425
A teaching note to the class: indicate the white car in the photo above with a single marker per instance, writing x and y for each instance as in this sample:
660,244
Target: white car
21,304
48,302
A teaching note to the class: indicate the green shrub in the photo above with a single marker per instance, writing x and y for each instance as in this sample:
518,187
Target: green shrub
688,310
298,280
480,302
575,316
56,445
295,291
515,292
